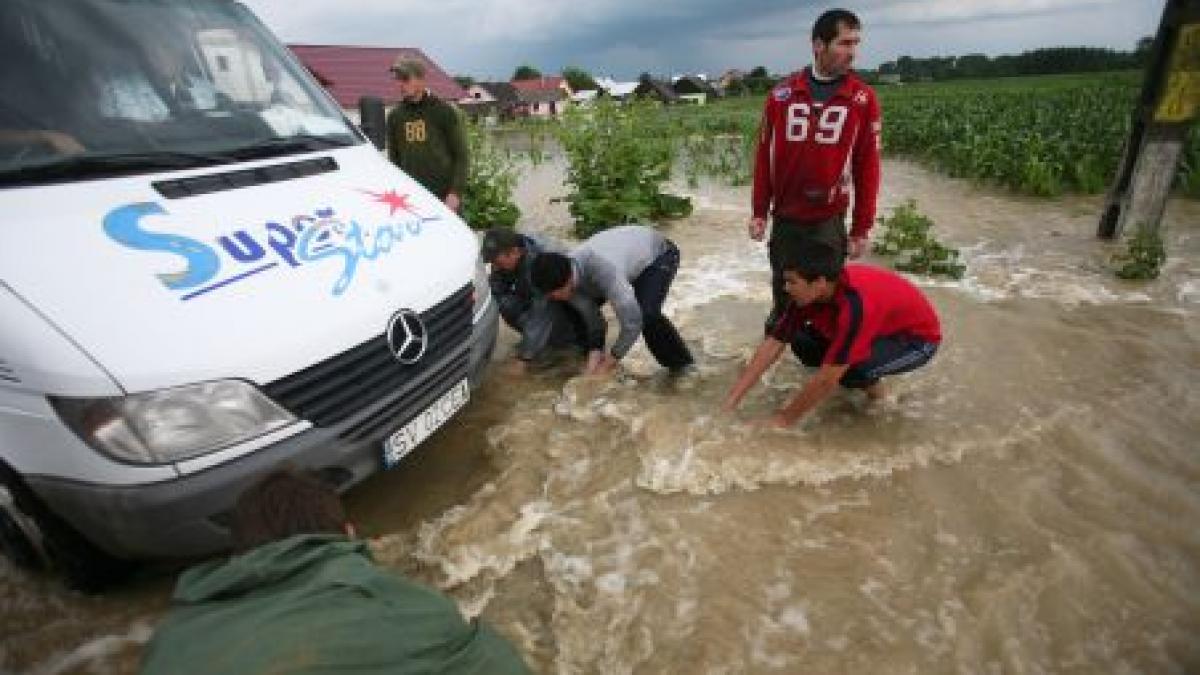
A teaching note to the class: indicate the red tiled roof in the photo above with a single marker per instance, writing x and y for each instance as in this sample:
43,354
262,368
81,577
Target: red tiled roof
540,84
349,73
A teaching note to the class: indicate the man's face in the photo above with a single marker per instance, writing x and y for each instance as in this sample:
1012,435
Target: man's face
507,260
804,292
411,88
835,58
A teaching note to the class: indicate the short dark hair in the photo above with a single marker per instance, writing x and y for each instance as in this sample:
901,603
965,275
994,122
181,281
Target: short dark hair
286,502
813,260
826,28
550,272
499,240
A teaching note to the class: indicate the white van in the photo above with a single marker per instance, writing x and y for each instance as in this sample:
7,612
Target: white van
205,271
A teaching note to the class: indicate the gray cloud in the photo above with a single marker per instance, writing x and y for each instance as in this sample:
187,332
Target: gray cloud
488,38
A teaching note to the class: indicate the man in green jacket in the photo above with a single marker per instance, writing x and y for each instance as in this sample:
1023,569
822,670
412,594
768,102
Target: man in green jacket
426,137
301,595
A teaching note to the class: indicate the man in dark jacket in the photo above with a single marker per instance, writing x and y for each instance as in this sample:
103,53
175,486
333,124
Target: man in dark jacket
541,323
426,137
301,595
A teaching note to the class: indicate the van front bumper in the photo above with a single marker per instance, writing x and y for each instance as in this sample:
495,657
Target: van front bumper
189,516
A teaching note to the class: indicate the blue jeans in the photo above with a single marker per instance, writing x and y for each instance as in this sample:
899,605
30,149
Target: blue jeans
650,288
890,355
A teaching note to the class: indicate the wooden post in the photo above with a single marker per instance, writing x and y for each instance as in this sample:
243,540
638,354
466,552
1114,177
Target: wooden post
1169,102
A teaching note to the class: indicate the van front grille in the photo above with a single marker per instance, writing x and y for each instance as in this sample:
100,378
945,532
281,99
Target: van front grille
368,374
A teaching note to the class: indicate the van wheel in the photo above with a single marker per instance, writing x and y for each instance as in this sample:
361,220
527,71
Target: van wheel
34,538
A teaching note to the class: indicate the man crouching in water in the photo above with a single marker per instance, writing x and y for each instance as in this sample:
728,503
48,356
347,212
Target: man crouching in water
857,323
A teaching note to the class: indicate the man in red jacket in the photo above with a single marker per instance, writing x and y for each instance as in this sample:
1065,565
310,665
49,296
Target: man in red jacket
856,323
819,135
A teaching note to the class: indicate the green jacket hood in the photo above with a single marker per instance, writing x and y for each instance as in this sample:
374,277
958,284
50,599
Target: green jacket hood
266,565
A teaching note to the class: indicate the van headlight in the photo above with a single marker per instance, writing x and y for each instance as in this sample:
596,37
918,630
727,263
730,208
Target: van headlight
170,425
483,289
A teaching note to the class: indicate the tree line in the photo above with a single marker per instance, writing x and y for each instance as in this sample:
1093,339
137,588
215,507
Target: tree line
1046,61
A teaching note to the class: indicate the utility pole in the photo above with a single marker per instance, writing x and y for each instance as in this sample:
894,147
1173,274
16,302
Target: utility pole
1169,103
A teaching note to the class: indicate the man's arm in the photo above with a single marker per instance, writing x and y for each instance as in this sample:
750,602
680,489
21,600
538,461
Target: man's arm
535,333
629,314
815,390
393,141
767,353
595,327
763,191
512,306
62,143
866,172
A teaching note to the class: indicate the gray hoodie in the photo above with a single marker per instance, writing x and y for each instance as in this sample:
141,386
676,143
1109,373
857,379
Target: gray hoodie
604,269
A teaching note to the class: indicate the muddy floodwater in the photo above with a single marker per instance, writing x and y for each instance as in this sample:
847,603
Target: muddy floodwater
1028,503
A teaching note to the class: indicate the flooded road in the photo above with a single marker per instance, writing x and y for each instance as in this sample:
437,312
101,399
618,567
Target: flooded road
1027,503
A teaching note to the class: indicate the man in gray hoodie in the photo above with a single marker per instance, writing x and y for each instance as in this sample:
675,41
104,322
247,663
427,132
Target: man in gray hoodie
631,267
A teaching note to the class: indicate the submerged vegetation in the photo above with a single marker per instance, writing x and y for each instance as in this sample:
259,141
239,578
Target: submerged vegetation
1144,257
907,238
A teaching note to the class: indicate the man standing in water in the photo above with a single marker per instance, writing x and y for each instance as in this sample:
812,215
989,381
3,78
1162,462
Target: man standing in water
426,137
819,135
857,323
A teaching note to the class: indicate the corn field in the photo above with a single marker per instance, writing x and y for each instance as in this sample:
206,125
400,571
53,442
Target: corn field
1034,135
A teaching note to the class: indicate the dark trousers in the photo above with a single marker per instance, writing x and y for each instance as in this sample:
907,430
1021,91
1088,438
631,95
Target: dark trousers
785,235
650,288
890,355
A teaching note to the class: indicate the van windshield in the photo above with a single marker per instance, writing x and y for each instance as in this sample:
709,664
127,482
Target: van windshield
107,87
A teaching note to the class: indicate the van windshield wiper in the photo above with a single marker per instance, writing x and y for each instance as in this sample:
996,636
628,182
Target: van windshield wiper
286,145
79,167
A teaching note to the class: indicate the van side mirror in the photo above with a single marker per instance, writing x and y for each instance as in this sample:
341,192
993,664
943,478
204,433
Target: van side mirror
373,122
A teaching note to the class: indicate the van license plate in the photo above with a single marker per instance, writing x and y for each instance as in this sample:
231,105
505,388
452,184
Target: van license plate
423,425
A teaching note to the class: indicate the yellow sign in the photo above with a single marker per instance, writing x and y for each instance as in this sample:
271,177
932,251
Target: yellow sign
1181,100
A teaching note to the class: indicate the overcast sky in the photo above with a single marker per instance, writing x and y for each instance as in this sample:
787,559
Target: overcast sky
489,38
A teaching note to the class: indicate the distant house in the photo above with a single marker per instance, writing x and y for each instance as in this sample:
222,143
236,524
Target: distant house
543,97
730,76
694,89
656,90
585,97
349,73
691,84
490,100
619,91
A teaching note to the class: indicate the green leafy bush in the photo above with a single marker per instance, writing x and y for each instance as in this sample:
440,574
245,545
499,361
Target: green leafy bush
1143,259
907,237
488,201
616,167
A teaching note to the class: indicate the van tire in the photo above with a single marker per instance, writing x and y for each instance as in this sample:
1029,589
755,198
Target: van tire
35,538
